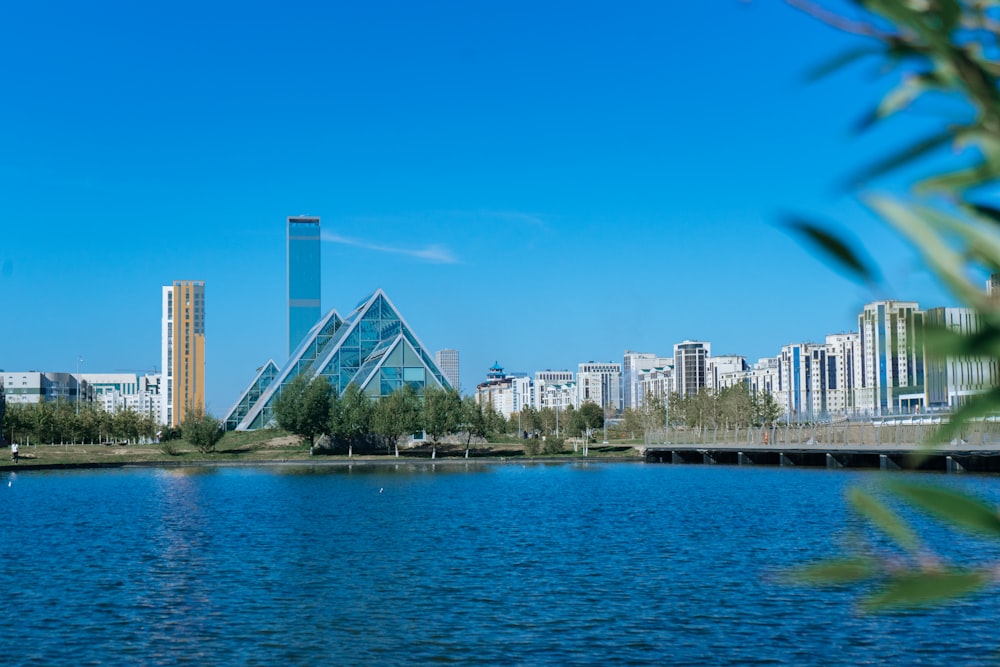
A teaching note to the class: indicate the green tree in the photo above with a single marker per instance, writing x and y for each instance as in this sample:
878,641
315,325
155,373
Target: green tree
303,407
202,430
441,414
351,417
473,421
396,415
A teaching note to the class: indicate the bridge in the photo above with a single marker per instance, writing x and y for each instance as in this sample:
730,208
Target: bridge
886,444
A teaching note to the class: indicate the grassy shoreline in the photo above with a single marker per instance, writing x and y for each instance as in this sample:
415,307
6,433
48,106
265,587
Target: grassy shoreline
244,449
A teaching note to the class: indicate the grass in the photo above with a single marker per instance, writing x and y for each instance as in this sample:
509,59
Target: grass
267,445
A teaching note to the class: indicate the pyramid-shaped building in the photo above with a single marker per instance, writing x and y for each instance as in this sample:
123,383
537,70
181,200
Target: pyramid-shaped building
373,348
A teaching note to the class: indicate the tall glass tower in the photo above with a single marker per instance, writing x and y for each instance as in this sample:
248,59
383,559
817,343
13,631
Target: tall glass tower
303,278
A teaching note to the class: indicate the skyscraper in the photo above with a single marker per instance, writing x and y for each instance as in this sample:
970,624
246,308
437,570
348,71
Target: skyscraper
691,366
447,361
183,351
303,278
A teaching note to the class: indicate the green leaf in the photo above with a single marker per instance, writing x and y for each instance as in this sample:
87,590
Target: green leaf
991,213
836,248
922,588
954,507
916,224
884,518
901,158
838,571
840,61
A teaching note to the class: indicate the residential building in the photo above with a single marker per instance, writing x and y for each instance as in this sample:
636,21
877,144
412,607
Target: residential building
802,381
654,383
447,361
599,383
716,367
558,396
183,351
951,380
633,365
843,372
545,378
303,277
892,358
691,366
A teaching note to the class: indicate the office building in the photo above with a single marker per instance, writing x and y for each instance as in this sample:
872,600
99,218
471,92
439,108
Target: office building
303,279
182,351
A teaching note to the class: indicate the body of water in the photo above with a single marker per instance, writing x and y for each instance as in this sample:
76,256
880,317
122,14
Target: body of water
480,564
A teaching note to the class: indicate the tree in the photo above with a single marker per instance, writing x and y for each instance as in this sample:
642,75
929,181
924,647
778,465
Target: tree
441,414
202,430
473,421
350,417
396,415
303,407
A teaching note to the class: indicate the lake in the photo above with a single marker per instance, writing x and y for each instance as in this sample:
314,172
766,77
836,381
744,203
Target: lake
529,564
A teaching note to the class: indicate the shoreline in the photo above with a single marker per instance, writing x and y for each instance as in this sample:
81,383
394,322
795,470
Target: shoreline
321,462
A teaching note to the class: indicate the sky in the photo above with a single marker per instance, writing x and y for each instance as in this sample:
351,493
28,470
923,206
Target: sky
534,183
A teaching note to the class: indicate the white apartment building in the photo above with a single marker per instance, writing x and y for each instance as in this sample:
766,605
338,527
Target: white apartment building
633,365
654,383
717,367
843,374
802,381
599,383
951,380
559,396
545,378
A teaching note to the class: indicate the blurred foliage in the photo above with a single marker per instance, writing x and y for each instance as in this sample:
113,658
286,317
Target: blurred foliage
943,55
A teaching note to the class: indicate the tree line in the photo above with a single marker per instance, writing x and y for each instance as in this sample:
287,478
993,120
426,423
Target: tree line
729,408
68,423
352,421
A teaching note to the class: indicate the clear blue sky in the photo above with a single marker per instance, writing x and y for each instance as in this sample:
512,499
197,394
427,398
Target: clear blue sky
537,183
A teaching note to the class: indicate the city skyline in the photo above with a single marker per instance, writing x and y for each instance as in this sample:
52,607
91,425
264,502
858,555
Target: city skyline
538,185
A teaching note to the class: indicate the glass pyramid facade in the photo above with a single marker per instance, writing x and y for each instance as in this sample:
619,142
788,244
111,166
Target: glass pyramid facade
373,347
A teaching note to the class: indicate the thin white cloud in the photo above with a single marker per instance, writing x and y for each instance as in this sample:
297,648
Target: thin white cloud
436,254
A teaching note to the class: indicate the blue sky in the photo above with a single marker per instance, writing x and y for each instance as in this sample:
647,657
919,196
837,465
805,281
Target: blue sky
539,184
